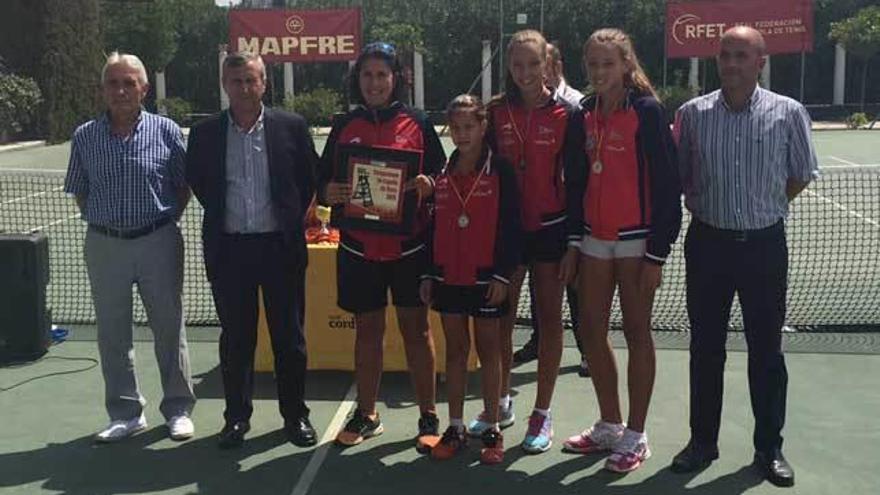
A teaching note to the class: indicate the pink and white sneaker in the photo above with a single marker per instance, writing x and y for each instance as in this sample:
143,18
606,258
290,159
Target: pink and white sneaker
601,437
630,452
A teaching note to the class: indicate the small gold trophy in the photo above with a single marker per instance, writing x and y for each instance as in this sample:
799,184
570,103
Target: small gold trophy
323,214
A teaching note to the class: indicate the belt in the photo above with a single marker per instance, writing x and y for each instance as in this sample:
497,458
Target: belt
252,236
738,235
131,234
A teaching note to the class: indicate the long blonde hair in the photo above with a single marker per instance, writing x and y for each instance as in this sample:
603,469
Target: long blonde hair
635,78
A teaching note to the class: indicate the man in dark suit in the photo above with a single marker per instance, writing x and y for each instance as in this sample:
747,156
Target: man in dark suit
252,169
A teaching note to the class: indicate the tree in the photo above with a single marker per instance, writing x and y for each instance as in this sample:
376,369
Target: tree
145,29
860,35
70,65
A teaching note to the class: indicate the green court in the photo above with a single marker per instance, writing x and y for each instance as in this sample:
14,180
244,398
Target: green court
47,429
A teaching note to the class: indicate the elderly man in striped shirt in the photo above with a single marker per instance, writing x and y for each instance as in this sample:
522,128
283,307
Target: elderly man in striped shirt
745,153
126,171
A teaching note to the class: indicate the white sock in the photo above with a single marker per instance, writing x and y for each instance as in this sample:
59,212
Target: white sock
543,412
504,403
635,435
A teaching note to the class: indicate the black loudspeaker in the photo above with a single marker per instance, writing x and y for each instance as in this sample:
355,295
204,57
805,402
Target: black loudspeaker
24,274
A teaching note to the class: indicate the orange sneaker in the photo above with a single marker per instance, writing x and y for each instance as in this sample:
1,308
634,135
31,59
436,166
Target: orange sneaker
454,440
493,447
359,428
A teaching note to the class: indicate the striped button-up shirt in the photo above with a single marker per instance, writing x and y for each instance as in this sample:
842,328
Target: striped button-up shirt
130,181
735,165
248,192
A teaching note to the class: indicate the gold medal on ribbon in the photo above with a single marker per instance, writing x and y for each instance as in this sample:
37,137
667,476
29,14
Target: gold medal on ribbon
597,167
464,220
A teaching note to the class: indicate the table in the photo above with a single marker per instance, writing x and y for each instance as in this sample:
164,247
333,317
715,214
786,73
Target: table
330,331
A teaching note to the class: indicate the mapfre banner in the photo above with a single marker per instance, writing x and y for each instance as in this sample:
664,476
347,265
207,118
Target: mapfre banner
693,29
280,35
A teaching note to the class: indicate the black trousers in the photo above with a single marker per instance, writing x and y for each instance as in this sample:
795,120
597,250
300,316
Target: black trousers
249,262
753,265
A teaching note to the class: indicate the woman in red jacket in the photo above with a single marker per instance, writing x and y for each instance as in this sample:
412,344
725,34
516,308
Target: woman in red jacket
369,263
624,213
527,127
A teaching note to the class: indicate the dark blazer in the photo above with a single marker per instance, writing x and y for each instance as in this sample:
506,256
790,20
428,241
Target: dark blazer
291,158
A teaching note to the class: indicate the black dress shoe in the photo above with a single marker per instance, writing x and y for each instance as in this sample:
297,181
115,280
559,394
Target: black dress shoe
775,468
300,432
694,457
232,435
529,352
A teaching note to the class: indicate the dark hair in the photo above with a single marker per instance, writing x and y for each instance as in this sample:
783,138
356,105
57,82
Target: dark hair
466,103
240,59
385,52
511,90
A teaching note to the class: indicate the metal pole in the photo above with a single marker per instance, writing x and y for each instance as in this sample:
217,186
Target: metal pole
500,46
665,58
542,16
803,61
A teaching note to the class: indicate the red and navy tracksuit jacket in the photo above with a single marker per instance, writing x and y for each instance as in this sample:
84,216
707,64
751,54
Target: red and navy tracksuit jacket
489,247
542,193
637,192
400,127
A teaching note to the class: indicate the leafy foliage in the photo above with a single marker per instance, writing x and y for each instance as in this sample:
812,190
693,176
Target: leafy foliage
20,99
316,106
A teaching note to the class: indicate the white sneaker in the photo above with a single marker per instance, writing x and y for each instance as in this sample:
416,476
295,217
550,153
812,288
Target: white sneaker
180,427
119,430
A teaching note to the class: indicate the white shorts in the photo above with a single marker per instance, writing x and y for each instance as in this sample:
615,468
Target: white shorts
609,250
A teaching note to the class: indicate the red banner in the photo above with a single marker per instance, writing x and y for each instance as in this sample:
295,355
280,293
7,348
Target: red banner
693,29
297,35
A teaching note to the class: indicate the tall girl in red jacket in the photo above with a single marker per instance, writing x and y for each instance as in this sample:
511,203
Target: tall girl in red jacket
624,213
527,126
475,249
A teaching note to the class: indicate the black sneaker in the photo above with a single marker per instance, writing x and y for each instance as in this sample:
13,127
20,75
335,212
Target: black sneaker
529,352
429,432
584,370
359,428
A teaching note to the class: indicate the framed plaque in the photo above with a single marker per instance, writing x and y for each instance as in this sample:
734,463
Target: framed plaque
377,176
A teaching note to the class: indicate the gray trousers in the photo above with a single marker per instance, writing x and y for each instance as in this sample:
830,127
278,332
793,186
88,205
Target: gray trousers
155,263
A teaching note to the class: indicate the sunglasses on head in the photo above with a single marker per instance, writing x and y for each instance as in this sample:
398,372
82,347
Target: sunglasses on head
381,47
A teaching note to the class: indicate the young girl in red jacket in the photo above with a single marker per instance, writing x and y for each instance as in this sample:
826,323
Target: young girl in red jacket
624,213
474,250
527,126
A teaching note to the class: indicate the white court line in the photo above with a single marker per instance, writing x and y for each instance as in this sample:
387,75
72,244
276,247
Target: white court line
841,160
56,222
311,470
34,195
41,170
843,208
849,167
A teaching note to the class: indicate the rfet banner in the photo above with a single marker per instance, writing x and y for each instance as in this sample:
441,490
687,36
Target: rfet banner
297,35
693,29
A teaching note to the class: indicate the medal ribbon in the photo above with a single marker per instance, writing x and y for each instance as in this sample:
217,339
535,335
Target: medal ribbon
473,187
519,136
